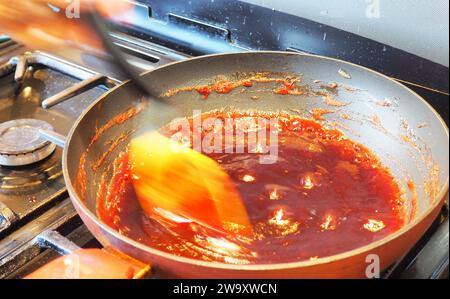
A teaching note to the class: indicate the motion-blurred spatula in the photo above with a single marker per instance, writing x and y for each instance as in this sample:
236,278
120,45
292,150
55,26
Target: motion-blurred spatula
186,183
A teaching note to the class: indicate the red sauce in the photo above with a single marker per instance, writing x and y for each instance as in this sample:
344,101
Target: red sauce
119,119
318,113
288,86
325,195
222,87
205,91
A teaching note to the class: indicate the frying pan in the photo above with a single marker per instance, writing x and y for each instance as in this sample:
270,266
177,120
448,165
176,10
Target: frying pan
405,132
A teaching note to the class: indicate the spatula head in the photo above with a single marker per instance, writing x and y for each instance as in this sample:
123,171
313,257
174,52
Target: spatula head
179,180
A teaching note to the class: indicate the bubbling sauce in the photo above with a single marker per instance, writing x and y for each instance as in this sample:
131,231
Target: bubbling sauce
325,195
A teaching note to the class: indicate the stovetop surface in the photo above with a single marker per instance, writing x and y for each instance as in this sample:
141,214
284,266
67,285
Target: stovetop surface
26,189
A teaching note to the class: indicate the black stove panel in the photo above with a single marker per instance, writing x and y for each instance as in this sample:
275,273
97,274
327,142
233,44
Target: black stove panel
205,26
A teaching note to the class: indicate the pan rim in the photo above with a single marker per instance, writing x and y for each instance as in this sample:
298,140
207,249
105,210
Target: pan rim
438,200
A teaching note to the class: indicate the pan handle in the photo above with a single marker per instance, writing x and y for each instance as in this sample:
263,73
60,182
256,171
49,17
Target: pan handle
52,136
91,263
77,263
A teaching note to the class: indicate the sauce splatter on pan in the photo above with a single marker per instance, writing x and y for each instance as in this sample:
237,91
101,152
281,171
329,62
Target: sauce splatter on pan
286,85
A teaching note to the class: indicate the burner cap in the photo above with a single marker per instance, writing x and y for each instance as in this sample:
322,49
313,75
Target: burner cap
21,143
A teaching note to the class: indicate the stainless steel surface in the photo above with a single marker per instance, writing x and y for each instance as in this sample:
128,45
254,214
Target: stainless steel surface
76,89
22,245
21,136
21,67
7,44
30,189
27,158
89,77
21,143
7,217
53,137
68,68
8,67
53,240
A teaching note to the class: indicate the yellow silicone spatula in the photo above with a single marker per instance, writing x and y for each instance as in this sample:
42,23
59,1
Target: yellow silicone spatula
182,181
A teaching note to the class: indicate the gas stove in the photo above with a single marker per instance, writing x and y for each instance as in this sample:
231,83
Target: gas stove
41,91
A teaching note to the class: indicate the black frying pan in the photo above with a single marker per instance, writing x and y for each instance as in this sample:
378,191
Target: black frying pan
381,110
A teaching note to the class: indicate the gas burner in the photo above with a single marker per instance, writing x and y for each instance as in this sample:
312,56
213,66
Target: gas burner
28,180
21,143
